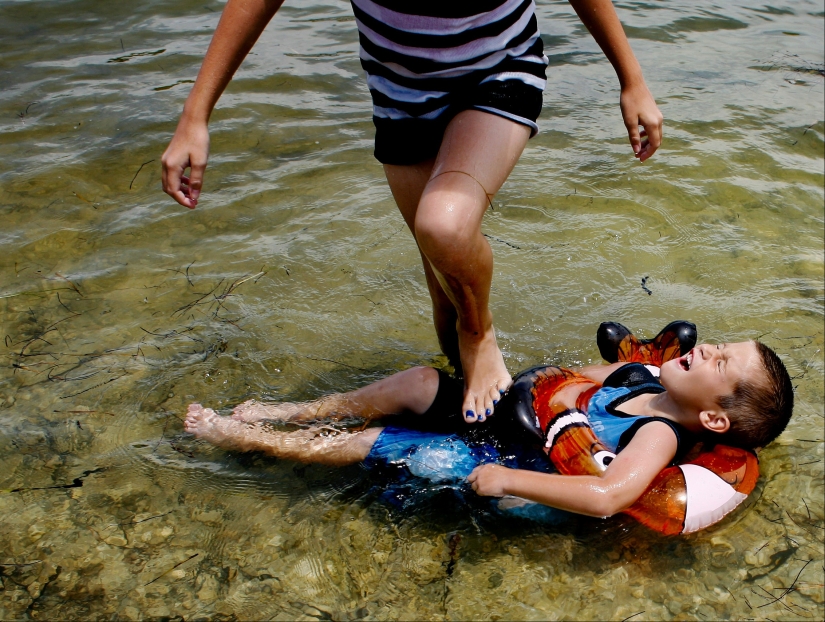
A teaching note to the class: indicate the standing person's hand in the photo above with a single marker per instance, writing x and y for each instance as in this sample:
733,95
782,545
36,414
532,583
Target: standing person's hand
189,148
639,108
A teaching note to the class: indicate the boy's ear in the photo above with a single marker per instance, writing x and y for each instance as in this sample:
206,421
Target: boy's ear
715,421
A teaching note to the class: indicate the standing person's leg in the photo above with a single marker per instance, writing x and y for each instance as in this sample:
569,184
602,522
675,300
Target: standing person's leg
477,153
407,184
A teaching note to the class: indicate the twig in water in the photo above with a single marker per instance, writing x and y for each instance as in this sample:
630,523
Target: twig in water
138,172
510,244
632,616
172,568
769,596
644,285
788,590
74,287
143,520
186,273
163,432
190,305
62,304
45,331
23,114
77,482
63,397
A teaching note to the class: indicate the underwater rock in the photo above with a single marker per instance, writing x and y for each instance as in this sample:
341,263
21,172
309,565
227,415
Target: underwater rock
116,540
36,531
209,589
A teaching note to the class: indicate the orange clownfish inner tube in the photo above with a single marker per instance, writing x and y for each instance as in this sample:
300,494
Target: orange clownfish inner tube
681,499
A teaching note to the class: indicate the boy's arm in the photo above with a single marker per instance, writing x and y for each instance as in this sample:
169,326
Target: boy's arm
242,22
624,481
638,105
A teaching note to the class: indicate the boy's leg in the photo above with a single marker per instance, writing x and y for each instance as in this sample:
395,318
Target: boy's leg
412,390
339,449
477,153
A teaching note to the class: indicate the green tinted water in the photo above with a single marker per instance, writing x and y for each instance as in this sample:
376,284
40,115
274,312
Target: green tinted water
295,277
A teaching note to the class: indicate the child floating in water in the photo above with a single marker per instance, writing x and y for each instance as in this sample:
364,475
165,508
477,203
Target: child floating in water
735,393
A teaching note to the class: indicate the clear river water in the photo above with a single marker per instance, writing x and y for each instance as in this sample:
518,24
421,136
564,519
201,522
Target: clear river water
295,277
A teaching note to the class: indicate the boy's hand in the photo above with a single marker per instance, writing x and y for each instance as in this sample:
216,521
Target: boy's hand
639,108
189,149
490,480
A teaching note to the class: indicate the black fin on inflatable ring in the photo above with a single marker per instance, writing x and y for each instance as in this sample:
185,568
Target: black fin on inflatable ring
518,407
611,334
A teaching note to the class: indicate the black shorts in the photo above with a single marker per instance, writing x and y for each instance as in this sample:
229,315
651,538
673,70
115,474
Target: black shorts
414,140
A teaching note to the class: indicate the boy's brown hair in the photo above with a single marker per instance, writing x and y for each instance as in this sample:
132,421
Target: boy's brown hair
759,409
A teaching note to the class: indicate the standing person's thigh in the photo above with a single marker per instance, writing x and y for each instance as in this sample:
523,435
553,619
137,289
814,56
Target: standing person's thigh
482,145
407,183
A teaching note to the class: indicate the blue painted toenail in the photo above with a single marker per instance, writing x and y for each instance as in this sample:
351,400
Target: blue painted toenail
488,411
495,402
470,414
502,391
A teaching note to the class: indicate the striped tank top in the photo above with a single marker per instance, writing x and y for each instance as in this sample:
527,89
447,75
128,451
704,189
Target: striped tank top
418,53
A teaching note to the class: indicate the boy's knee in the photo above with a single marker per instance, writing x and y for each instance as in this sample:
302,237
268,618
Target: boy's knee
422,388
426,378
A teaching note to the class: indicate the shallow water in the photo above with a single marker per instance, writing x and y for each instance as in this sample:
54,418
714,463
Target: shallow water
295,277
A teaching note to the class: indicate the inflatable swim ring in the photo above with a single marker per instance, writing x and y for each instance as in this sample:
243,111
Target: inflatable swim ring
681,499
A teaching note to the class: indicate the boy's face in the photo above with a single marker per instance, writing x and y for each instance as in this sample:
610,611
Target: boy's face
699,378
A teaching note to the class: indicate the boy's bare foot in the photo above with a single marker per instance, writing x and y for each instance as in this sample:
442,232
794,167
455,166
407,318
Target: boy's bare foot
485,376
206,424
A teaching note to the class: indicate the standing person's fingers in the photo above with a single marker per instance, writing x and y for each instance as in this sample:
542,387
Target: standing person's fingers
174,182
189,148
640,109
634,136
653,130
197,169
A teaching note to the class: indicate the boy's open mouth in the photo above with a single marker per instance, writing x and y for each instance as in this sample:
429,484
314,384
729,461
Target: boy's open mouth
686,360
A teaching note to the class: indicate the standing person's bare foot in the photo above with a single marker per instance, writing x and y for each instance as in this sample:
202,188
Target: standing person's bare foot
486,377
